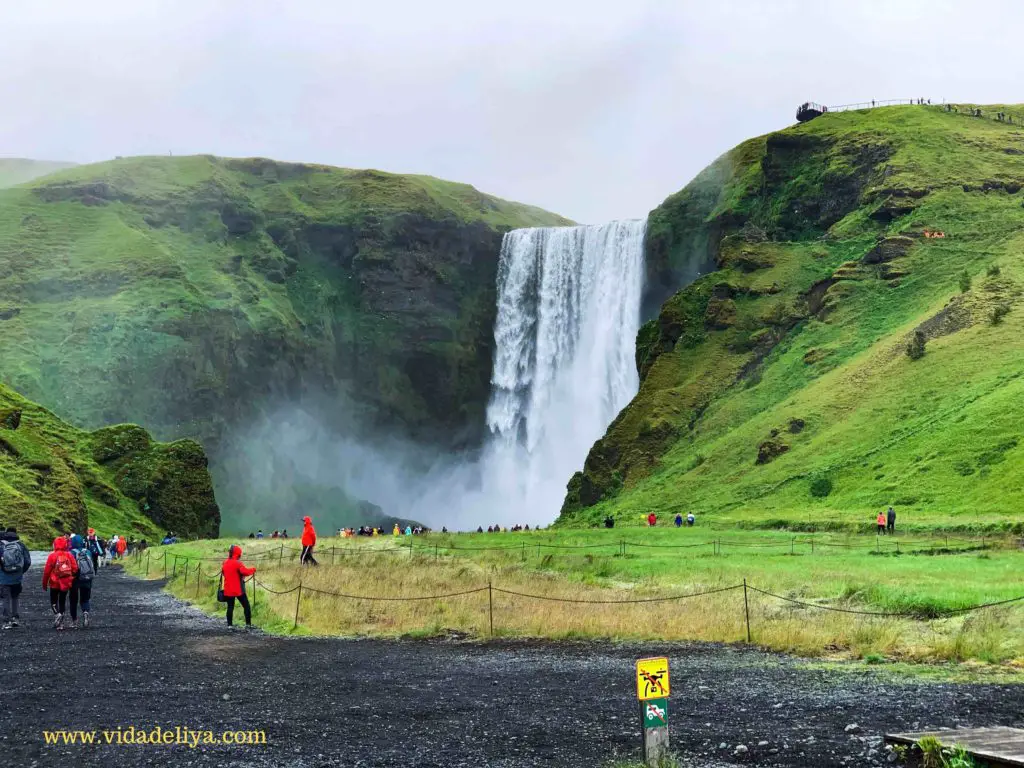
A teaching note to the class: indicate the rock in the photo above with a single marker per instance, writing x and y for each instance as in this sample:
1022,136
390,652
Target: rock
226,697
852,728
720,314
723,745
10,418
762,743
888,248
770,450
741,749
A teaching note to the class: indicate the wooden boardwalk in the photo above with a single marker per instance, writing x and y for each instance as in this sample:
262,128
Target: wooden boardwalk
999,746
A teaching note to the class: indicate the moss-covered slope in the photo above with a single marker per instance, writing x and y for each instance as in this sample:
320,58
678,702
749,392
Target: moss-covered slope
776,390
191,294
55,478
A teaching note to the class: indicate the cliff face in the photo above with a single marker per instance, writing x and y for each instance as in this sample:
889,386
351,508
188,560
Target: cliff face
775,390
55,478
194,294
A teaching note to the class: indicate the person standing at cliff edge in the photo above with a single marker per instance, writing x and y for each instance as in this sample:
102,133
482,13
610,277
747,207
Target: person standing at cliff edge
308,542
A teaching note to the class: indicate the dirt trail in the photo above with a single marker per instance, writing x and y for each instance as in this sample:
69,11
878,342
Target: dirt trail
151,660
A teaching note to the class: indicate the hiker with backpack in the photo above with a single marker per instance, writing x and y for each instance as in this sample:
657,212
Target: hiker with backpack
233,572
92,543
81,587
14,563
58,576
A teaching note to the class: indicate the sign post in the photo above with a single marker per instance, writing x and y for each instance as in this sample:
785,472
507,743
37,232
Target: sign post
653,689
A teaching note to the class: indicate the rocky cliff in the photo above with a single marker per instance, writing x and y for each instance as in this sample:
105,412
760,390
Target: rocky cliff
55,478
196,294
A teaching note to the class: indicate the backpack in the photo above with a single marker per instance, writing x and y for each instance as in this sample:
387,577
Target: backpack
85,570
63,566
12,558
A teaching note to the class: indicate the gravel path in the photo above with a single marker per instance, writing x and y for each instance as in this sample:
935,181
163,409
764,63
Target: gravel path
151,660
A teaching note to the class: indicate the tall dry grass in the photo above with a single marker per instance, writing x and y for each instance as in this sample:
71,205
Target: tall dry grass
993,635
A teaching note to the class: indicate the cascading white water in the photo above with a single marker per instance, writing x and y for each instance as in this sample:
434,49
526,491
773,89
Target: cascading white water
567,318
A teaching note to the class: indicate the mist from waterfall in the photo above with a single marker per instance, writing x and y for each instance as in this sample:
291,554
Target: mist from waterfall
568,311
567,317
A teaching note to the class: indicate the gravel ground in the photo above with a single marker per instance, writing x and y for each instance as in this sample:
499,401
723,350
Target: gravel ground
151,660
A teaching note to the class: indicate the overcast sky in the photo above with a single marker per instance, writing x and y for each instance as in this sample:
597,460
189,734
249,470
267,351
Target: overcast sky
593,109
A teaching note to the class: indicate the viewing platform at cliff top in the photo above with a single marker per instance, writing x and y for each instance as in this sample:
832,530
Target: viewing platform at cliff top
810,109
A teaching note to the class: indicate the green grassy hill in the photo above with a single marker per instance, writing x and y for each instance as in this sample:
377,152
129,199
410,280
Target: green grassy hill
17,170
777,390
193,294
55,478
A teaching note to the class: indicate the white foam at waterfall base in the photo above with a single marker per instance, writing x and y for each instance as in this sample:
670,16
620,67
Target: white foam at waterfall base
567,318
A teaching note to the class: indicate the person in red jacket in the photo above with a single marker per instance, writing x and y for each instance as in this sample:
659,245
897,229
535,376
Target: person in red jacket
234,572
58,575
122,545
308,542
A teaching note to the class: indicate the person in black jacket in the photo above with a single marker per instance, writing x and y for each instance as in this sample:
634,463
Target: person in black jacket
890,521
14,563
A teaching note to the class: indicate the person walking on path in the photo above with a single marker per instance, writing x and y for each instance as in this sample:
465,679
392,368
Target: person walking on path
652,519
679,520
308,542
81,587
58,575
880,520
122,545
890,519
14,564
92,543
234,572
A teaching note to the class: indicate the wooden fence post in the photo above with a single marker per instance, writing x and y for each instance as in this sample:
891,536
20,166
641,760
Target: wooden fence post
746,609
490,606
199,576
298,599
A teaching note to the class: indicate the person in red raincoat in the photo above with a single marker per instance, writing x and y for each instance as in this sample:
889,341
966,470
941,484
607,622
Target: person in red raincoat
308,542
234,572
122,545
58,575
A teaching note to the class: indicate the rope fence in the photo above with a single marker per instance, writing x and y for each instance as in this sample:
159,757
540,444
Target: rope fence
187,568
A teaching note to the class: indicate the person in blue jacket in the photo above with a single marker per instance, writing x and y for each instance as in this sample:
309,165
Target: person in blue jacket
14,563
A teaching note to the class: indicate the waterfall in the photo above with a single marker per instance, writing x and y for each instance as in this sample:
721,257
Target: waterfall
564,365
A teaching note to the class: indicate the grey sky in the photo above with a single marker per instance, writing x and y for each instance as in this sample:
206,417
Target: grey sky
592,109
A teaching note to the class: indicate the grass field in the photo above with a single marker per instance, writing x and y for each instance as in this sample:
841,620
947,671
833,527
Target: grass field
929,576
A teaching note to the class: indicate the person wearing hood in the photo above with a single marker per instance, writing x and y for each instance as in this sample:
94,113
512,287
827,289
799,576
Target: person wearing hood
234,572
92,543
81,587
58,576
308,542
14,563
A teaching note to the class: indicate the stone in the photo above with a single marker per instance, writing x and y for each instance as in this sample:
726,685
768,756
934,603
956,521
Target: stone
770,450
741,749
852,728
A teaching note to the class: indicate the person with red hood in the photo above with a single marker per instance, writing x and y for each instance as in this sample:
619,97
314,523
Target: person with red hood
58,575
234,572
308,542
122,545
